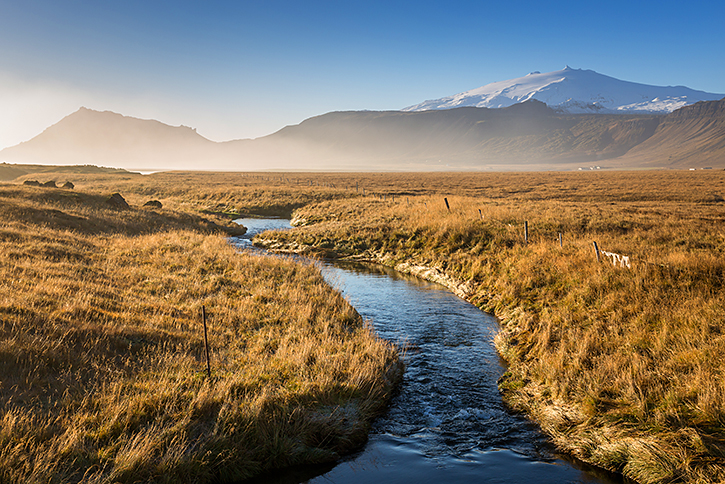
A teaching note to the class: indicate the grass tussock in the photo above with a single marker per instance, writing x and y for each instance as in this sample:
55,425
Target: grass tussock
622,367
102,371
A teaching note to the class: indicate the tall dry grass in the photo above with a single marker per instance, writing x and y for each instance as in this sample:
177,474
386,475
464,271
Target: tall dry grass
102,373
621,366
229,194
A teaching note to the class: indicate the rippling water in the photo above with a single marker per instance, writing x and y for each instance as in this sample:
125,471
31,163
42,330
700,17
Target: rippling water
448,422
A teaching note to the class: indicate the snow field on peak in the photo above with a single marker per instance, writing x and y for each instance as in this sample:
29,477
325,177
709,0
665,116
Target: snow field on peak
574,91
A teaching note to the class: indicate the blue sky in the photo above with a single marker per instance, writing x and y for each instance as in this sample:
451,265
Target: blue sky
242,69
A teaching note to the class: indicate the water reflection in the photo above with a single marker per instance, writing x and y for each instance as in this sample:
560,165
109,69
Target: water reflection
257,226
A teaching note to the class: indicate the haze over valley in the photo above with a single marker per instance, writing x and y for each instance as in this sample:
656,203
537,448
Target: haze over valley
561,120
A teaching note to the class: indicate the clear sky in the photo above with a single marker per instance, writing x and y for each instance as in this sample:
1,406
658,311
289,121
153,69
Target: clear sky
243,69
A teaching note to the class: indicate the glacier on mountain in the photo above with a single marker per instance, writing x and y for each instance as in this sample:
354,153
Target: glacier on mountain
574,91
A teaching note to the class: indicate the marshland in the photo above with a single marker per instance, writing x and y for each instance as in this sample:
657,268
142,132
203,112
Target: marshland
103,375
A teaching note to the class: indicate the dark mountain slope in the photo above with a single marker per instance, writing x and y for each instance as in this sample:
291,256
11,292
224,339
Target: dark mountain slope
692,136
468,137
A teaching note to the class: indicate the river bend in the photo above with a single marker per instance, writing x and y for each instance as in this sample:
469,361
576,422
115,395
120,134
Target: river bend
448,422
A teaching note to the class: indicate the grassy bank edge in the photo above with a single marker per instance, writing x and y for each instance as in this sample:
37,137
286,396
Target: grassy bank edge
51,221
635,455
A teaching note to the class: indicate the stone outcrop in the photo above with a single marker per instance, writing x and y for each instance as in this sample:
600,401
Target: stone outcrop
118,202
153,204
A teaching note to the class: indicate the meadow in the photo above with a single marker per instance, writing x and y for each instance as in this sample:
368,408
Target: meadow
619,365
102,363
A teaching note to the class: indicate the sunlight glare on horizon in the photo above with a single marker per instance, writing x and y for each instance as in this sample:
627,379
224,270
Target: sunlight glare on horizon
243,70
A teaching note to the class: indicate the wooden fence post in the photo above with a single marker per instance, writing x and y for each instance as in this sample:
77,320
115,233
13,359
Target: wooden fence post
596,251
206,342
526,232
561,242
447,206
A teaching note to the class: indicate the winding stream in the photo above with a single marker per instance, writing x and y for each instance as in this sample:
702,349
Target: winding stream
448,422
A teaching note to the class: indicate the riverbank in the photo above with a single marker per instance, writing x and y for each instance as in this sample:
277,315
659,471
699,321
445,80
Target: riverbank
102,368
619,365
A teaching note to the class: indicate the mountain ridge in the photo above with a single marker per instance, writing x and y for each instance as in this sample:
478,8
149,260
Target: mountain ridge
524,136
692,136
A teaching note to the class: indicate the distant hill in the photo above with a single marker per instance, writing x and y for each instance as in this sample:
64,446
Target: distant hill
575,91
107,138
524,136
10,172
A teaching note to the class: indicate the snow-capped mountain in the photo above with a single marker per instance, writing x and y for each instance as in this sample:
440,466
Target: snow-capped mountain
574,91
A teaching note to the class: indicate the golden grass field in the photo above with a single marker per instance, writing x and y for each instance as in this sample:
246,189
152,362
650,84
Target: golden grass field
102,370
621,366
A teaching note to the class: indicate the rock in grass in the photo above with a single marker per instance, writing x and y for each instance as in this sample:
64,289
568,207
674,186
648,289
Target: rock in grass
117,201
153,204
68,185
235,230
31,183
50,184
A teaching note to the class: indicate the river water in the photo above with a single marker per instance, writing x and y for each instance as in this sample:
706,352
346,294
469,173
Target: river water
447,424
